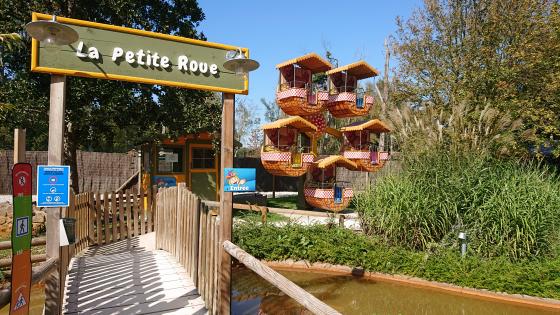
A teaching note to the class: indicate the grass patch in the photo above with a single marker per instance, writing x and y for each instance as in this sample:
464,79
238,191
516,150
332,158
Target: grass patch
289,202
253,216
315,244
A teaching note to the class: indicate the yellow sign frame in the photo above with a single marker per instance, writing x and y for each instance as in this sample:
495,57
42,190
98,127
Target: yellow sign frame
35,55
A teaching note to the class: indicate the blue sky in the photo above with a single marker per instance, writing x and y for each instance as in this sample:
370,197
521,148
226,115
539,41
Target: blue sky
275,31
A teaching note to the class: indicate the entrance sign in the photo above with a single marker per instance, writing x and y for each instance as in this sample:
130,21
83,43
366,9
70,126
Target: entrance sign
53,185
239,179
119,53
21,238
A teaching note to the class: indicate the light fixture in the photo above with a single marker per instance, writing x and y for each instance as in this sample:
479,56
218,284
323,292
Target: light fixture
238,63
463,239
52,32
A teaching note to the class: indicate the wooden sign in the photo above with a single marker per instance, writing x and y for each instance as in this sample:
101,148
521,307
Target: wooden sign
21,238
118,53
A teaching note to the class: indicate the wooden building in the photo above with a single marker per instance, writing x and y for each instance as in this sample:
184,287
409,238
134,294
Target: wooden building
190,159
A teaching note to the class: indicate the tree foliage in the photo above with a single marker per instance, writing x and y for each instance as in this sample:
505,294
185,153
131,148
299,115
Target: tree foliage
502,54
101,115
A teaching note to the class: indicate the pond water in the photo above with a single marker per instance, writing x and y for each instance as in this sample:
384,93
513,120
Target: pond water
37,301
350,295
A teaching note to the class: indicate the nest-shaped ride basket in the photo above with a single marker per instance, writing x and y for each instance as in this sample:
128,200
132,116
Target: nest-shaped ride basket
314,198
285,167
297,102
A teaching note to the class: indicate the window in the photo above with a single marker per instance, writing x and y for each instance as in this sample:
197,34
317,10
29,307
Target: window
170,160
203,158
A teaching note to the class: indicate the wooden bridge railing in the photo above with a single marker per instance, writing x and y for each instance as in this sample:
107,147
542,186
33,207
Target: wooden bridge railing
189,229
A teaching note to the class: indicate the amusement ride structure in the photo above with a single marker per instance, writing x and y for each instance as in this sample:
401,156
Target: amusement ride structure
290,144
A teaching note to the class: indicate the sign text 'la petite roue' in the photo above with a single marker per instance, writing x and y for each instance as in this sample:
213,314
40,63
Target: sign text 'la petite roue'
118,53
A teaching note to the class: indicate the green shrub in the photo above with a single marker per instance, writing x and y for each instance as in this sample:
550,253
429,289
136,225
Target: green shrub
320,243
507,208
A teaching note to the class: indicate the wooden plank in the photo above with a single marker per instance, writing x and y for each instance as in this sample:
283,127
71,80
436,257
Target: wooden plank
106,226
196,241
216,249
114,220
288,287
122,224
91,218
189,232
128,197
178,224
228,110
210,253
136,207
19,146
203,254
150,210
98,218
142,212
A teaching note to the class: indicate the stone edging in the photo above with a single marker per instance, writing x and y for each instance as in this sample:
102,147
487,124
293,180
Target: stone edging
517,299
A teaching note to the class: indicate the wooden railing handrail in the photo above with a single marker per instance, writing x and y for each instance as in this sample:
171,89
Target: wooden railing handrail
242,206
34,242
39,273
291,289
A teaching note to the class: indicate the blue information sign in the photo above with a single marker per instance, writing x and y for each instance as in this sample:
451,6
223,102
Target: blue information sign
239,179
53,185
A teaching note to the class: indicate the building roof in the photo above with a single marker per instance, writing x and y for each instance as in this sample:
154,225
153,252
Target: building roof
294,121
360,70
311,61
374,125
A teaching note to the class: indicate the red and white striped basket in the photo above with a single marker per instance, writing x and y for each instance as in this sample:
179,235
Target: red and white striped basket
342,97
276,156
327,193
357,155
294,92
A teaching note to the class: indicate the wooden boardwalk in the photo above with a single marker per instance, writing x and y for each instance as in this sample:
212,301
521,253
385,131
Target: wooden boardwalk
130,277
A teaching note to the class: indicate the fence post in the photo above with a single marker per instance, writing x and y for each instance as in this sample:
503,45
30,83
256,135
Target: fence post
19,146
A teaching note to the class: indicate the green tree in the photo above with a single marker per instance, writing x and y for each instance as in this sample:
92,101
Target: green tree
246,123
498,53
102,115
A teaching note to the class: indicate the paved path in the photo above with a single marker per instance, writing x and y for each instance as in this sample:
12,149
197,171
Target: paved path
130,277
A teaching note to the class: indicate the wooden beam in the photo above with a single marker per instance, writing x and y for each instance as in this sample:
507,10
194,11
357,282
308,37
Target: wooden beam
53,296
226,202
19,146
310,302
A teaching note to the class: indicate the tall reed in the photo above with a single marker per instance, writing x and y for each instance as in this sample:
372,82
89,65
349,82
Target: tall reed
507,208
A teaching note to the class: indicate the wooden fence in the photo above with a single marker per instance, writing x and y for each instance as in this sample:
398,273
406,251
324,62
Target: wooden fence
187,228
104,218
97,171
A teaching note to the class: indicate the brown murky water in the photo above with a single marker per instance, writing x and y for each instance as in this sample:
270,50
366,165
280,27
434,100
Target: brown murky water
37,301
350,295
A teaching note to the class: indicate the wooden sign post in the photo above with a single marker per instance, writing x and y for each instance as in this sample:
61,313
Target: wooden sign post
53,295
226,202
